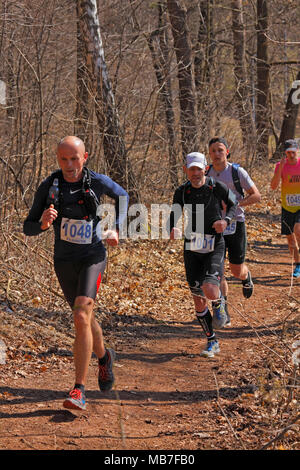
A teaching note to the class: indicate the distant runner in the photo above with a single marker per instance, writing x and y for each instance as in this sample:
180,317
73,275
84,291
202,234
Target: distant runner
287,171
203,250
239,182
68,200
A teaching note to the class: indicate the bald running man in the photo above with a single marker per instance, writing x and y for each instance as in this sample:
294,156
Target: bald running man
68,200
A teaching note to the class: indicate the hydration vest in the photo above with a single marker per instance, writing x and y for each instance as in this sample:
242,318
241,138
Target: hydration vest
88,199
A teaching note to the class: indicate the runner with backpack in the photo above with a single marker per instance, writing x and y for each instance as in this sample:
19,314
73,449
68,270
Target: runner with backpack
68,200
239,182
201,197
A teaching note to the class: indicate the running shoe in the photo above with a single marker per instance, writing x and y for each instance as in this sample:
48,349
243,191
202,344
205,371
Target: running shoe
248,286
75,400
211,349
296,272
106,376
219,313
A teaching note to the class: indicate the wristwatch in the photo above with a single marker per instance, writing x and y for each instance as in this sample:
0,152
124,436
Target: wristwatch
228,220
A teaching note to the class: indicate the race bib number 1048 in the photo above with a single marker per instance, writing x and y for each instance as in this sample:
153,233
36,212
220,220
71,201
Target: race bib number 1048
76,231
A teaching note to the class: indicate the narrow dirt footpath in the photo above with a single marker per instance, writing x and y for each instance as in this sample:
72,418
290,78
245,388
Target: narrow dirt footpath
166,396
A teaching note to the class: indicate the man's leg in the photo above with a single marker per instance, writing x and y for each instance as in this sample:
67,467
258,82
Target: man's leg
224,291
297,235
293,246
98,340
88,286
224,286
196,268
296,272
205,318
294,249
83,344
239,270
106,357
88,338
85,280
237,245
242,272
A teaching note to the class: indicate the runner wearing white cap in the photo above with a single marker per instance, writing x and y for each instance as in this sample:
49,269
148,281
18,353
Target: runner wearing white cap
201,197
238,180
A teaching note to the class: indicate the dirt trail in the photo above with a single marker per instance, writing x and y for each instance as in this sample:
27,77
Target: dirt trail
166,396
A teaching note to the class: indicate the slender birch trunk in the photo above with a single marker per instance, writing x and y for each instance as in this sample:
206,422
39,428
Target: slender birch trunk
107,115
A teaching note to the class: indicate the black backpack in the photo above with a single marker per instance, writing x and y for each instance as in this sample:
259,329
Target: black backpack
211,183
88,200
235,177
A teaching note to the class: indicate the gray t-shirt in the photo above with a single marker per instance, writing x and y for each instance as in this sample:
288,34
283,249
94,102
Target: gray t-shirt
226,177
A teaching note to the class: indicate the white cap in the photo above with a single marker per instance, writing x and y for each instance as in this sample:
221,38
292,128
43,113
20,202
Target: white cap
291,144
196,159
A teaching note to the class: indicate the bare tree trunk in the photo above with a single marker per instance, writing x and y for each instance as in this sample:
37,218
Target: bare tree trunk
188,119
242,97
83,106
161,64
108,119
263,80
288,127
203,65
204,43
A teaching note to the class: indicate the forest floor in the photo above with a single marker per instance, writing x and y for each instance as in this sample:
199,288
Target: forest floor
166,396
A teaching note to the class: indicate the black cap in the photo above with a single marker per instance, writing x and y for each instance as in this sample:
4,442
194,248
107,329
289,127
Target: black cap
291,144
221,140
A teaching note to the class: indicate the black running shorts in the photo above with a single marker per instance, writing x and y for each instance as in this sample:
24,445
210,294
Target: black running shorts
288,221
236,244
204,268
79,278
